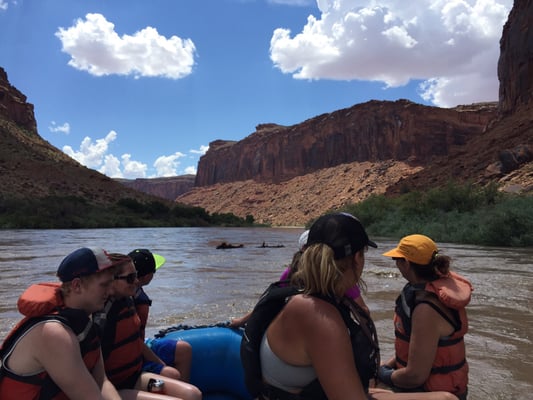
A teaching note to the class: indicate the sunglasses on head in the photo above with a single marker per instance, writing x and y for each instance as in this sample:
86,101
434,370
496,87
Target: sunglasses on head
130,278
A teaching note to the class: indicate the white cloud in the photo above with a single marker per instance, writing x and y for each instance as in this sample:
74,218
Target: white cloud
91,154
190,170
168,165
452,46
203,149
65,128
3,5
95,47
95,155
111,167
133,169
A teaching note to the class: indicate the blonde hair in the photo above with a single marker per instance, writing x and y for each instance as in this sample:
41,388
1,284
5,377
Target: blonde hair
320,273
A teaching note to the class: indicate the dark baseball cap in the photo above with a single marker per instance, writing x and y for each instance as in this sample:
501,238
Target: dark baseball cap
83,262
145,261
342,232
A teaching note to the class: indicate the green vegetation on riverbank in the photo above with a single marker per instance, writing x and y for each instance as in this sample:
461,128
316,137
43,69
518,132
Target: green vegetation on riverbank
76,212
455,213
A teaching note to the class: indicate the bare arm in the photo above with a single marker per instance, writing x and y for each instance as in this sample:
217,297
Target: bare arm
57,350
427,327
108,390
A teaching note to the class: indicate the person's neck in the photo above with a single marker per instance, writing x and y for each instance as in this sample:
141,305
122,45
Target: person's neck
72,303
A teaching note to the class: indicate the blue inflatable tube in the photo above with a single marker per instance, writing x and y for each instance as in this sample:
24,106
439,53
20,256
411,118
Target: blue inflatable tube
216,367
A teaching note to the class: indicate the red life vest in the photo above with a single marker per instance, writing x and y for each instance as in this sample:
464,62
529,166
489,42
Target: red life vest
122,344
142,306
41,303
449,371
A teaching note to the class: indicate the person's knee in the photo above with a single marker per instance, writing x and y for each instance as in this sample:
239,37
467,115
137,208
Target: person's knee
192,393
170,372
183,350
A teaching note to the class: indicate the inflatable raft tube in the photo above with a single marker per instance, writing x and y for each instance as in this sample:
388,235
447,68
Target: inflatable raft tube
216,367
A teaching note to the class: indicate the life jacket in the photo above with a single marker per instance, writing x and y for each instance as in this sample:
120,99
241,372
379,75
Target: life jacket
449,371
122,344
362,334
41,303
142,306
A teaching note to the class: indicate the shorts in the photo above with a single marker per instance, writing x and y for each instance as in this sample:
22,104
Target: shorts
165,349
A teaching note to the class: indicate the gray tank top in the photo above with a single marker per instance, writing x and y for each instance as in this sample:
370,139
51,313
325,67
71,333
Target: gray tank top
278,373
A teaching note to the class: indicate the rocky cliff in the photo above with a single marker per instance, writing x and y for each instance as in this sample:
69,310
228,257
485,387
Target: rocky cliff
373,131
166,188
500,151
515,66
30,167
14,105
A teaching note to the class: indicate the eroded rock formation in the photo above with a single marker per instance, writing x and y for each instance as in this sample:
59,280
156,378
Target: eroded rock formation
372,131
166,188
515,66
14,105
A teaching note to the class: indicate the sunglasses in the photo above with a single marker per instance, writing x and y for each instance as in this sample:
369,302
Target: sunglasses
130,278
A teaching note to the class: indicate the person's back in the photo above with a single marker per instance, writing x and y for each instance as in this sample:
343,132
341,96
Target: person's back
306,350
55,351
430,321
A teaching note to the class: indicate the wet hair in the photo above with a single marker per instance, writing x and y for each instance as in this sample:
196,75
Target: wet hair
438,267
320,273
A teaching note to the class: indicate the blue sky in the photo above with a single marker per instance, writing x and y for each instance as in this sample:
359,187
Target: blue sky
139,88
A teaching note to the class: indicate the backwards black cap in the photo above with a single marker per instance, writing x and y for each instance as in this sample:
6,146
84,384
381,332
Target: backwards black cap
342,232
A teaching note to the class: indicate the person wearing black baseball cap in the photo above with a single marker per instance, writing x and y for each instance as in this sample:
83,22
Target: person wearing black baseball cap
321,344
54,352
176,354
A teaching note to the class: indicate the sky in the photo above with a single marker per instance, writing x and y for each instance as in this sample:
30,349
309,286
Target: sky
140,88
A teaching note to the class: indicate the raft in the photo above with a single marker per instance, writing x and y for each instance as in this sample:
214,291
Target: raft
216,367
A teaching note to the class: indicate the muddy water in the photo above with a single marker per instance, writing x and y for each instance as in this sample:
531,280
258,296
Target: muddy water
202,285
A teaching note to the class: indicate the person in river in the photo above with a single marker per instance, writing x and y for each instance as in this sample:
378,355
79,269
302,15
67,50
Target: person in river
123,348
311,341
430,321
54,352
176,354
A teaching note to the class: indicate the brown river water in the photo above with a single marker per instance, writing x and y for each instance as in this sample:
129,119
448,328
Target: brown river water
201,285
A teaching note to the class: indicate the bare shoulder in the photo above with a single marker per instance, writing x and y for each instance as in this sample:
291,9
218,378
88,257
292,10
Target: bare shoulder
315,311
40,344
54,335
427,318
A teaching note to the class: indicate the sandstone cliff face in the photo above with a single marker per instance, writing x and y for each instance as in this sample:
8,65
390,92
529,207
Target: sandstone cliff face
515,66
13,105
373,131
501,153
166,188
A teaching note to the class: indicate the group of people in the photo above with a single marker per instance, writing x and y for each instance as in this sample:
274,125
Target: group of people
310,336
84,337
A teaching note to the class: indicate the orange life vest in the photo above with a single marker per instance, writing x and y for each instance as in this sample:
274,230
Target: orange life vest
449,371
41,303
122,344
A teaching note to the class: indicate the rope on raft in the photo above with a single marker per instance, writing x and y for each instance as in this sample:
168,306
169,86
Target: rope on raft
184,327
